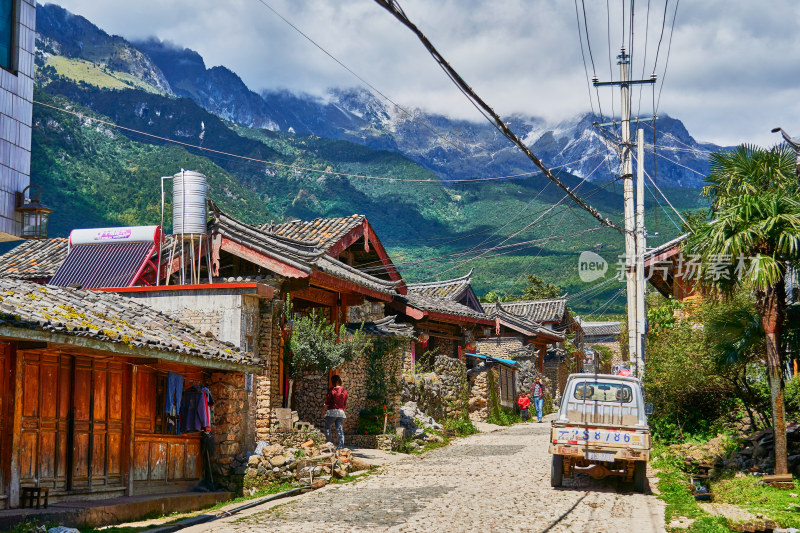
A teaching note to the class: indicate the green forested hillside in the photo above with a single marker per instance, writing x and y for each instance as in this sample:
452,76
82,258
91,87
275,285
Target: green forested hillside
96,175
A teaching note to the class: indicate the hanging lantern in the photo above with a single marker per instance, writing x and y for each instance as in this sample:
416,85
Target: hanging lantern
35,215
423,339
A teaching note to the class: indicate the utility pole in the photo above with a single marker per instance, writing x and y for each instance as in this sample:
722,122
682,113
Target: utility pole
632,251
640,249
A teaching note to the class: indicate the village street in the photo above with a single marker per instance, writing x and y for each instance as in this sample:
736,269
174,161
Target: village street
498,481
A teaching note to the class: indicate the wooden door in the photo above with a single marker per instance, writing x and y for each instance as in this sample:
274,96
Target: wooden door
44,429
5,416
97,424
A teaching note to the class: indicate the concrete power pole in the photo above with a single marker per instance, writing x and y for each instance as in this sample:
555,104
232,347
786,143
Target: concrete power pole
634,243
640,250
630,217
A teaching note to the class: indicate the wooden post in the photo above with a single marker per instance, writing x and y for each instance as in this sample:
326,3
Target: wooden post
132,430
542,354
16,428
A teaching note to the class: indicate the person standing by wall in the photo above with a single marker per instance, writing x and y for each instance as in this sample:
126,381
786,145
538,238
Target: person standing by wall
335,405
524,403
537,391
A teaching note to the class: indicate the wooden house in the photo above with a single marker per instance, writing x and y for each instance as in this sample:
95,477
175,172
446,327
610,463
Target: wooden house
447,315
82,396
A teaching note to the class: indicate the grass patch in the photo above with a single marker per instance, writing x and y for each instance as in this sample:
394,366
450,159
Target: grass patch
93,74
747,493
675,491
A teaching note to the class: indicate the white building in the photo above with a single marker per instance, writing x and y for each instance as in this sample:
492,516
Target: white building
17,35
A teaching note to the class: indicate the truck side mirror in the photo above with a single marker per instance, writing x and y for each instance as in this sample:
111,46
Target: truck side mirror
648,408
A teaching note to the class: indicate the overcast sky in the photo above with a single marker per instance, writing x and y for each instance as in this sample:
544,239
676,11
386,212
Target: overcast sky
733,71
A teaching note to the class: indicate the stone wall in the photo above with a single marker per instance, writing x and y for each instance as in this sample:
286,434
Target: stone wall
229,429
442,393
310,391
366,312
478,392
267,393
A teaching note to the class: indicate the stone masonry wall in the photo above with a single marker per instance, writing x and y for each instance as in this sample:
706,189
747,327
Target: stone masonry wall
366,312
442,393
479,402
229,428
310,391
266,385
478,392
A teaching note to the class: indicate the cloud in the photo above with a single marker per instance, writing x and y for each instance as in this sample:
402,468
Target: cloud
732,73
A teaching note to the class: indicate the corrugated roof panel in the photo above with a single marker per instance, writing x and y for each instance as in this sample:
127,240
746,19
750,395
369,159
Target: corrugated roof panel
106,265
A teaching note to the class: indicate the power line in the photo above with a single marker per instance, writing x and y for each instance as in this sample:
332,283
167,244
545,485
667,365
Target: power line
669,49
393,7
362,80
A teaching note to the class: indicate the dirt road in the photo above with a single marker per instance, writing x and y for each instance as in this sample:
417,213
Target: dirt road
491,482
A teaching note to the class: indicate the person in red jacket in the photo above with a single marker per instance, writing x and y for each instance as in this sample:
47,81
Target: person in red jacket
335,404
524,403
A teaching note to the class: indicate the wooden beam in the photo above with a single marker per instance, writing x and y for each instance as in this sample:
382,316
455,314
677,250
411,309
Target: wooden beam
111,348
131,408
327,281
318,296
262,260
31,345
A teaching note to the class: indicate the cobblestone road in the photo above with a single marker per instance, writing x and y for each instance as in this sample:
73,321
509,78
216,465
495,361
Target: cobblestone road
493,482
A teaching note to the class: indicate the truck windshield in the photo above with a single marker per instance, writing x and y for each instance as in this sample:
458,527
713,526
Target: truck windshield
603,392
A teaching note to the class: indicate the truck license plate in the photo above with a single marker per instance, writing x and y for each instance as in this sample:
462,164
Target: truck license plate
599,456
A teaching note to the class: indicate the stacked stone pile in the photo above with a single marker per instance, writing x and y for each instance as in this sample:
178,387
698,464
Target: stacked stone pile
755,452
306,464
418,426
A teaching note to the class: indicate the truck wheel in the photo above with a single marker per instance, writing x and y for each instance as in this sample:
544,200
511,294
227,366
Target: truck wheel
557,471
640,476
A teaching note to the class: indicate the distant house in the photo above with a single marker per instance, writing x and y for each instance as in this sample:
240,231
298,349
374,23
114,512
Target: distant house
551,322
603,334
663,269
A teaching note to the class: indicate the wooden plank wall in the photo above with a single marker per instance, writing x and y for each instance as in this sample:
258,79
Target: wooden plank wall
82,422
161,459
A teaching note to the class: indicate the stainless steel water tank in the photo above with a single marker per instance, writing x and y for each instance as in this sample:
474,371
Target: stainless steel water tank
189,203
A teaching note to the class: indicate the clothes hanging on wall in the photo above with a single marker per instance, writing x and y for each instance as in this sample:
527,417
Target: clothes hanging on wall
173,393
208,401
193,410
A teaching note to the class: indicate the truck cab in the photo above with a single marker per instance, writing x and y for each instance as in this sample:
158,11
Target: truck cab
601,430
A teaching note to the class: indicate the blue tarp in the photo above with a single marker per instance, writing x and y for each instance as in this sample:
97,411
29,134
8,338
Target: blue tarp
507,362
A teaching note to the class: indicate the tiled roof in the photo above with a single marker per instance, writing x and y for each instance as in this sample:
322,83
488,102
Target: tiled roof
441,305
522,324
664,247
541,311
323,232
303,255
451,289
600,328
108,317
36,259
386,326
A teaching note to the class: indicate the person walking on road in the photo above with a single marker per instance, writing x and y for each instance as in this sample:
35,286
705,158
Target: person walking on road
335,404
537,391
524,403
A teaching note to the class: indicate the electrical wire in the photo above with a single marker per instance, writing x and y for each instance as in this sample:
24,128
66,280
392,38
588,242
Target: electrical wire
406,112
288,166
393,7
669,49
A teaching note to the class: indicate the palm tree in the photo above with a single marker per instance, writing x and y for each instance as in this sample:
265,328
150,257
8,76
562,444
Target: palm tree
755,226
